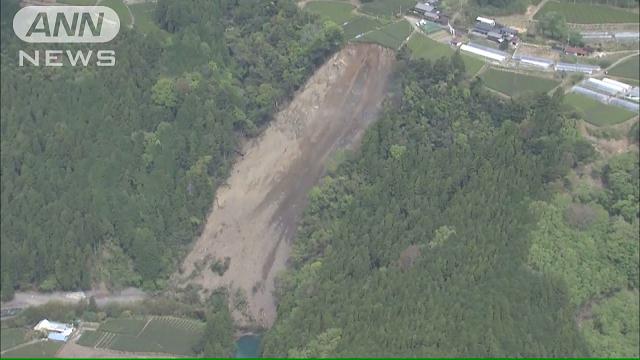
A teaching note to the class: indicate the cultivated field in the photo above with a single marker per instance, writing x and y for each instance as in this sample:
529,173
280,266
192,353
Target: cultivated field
156,335
11,337
338,12
597,113
588,14
123,326
360,25
516,84
428,49
41,349
390,36
386,8
629,69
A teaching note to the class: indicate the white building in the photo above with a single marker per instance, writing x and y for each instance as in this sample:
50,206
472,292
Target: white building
54,330
486,20
622,86
493,55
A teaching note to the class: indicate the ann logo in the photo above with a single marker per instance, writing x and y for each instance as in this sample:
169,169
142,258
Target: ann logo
41,24
66,24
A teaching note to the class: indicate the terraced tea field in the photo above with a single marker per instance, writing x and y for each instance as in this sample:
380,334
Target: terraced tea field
154,335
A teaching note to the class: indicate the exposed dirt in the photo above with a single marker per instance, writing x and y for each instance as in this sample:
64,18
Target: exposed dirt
25,299
609,147
254,218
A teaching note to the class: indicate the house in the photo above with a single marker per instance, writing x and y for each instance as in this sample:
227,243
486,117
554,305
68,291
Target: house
55,331
431,16
482,28
495,36
443,19
507,31
422,8
576,51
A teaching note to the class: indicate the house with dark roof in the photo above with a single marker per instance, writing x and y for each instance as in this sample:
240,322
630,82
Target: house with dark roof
482,28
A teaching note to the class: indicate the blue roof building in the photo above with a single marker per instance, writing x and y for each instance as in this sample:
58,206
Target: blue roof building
54,336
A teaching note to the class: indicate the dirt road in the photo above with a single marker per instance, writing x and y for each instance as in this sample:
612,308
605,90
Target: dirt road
32,298
253,219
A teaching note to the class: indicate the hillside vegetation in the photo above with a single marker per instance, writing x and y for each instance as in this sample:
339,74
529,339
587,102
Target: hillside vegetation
430,240
107,173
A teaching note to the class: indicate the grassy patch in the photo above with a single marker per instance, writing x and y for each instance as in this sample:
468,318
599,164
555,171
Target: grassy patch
386,8
338,12
123,326
390,36
89,338
628,69
121,9
41,349
429,49
514,84
596,112
360,25
143,13
11,337
588,14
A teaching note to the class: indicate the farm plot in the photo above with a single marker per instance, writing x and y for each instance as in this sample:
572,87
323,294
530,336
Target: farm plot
386,8
597,113
629,69
588,14
12,337
390,36
42,349
516,84
157,335
428,49
123,326
360,25
338,12
90,338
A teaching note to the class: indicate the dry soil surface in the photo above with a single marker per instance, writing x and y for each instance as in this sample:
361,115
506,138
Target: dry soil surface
253,219
25,299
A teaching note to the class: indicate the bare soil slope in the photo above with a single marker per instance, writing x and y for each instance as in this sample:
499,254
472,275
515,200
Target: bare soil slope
253,219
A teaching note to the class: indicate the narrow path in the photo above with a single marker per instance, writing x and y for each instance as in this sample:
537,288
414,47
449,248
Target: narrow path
22,345
537,8
622,59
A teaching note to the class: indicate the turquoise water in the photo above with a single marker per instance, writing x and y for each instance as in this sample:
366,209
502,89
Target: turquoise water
248,346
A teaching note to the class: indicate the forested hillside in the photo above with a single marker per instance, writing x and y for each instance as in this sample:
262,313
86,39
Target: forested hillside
107,173
432,240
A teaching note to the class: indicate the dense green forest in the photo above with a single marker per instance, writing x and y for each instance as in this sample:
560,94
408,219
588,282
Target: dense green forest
107,173
447,234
